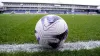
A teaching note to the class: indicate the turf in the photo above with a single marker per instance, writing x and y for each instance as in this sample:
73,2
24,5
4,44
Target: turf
18,29
92,52
83,27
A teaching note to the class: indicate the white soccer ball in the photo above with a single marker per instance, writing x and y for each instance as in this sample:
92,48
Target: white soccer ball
51,31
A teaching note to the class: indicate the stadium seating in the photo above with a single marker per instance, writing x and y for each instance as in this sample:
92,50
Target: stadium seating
55,12
41,12
7,11
33,11
52,8
19,11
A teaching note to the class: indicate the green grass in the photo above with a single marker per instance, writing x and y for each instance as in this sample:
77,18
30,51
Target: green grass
18,29
92,52
83,27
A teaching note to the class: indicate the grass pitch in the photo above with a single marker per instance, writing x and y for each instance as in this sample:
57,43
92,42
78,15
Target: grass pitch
19,29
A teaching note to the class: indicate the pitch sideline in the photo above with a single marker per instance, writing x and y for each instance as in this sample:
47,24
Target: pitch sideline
35,47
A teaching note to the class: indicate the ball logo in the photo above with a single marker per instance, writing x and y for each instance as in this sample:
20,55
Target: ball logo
48,22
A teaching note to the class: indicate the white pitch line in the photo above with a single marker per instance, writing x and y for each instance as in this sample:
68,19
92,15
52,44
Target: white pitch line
36,47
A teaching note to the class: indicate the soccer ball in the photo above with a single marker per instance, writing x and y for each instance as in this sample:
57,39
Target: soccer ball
51,31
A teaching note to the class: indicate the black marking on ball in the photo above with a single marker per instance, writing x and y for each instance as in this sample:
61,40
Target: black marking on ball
35,31
60,37
54,45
